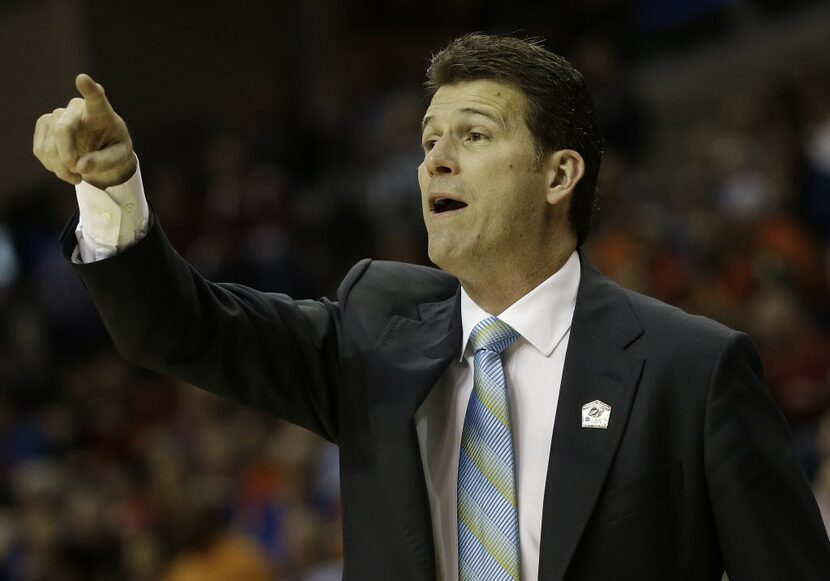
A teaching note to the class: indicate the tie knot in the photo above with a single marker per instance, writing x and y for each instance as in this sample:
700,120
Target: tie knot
492,334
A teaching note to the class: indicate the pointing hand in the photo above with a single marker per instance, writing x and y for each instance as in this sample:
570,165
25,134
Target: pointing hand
86,140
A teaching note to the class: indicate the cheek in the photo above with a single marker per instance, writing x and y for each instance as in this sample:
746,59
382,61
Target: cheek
423,184
513,195
423,178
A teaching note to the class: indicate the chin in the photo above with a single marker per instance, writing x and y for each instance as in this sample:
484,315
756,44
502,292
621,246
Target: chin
437,259
437,255
445,259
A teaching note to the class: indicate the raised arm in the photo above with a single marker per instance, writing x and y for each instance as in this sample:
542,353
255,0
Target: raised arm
262,349
87,144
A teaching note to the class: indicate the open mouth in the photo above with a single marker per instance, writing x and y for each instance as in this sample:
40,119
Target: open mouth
441,205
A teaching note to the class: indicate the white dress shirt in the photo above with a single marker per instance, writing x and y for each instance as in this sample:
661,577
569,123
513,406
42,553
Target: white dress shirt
113,219
533,370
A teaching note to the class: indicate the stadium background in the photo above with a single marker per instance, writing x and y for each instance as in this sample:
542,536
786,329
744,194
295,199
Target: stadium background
278,143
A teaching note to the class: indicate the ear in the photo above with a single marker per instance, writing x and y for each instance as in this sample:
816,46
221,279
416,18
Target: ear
565,168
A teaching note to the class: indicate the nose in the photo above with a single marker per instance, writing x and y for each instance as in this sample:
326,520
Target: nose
441,159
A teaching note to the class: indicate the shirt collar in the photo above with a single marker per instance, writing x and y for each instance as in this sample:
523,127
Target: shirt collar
555,297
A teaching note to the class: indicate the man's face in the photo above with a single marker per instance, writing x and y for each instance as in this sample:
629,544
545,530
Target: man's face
482,190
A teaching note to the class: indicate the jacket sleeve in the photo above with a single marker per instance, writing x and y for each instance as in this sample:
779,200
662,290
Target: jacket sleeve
767,519
265,350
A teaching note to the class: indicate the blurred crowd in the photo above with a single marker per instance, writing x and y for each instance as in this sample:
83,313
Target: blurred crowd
112,472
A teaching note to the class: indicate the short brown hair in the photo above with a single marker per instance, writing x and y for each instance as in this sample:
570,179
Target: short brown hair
560,113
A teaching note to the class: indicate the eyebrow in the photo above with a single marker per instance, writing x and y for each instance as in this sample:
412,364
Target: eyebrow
471,111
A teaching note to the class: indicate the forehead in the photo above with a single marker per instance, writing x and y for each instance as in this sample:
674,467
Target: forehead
493,97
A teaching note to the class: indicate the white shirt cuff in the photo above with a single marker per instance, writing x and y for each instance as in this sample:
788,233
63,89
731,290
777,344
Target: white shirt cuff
110,220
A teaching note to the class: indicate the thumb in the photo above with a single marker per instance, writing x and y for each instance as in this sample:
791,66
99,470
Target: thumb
116,158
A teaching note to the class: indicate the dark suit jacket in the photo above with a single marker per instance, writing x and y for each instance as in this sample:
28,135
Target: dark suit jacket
694,473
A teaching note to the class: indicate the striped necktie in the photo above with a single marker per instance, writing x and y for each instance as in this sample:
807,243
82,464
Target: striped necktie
488,522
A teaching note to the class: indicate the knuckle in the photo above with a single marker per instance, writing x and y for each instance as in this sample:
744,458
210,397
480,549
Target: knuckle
45,165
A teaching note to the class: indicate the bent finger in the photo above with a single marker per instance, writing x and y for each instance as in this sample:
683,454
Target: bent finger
68,176
65,131
41,130
44,148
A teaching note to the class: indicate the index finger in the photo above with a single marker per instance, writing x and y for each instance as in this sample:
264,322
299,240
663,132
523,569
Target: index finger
93,94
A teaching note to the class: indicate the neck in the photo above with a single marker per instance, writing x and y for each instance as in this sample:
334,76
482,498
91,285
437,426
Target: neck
496,291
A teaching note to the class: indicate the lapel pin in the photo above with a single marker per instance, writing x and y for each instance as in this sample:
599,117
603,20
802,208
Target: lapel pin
595,414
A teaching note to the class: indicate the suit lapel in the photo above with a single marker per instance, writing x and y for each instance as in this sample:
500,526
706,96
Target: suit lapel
415,352
597,367
413,355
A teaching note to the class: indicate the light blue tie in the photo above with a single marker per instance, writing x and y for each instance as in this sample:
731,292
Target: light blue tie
488,521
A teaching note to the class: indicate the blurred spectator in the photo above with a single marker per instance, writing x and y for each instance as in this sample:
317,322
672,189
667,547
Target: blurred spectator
209,551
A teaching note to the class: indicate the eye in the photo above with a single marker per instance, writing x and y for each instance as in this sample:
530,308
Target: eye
476,136
429,144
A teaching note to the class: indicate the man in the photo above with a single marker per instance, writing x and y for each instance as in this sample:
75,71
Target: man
535,420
